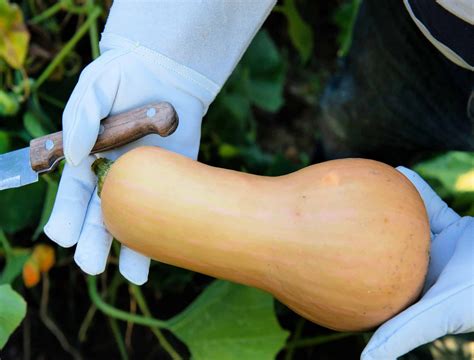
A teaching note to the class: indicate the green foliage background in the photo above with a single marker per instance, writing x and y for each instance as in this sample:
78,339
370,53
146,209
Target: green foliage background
41,57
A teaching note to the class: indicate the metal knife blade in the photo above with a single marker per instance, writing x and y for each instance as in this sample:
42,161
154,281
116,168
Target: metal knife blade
22,167
15,169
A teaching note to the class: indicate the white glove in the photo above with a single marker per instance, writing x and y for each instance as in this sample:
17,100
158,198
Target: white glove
163,50
447,306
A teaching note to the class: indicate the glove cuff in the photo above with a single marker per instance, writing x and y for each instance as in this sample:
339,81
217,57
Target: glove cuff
207,36
180,76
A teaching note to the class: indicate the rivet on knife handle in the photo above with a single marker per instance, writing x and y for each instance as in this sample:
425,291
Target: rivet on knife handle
117,130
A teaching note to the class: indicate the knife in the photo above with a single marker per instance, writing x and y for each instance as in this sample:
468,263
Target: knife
22,167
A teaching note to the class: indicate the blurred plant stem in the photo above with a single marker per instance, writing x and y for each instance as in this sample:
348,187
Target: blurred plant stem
111,292
67,48
290,348
86,323
52,100
138,295
93,32
118,338
49,12
50,324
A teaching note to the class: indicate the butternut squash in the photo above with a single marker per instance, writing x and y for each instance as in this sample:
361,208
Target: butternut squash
343,243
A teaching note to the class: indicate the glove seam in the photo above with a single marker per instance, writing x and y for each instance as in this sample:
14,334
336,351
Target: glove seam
165,62
83,93
418,314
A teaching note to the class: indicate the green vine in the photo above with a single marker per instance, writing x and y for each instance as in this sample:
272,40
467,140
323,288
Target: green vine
120,314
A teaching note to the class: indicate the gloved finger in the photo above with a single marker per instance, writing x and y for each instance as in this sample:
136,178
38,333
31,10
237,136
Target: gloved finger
90,102
133,265
444,246
74,193
440,215
422,323
94,242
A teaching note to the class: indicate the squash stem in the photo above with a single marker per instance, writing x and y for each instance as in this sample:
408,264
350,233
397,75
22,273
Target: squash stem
101,167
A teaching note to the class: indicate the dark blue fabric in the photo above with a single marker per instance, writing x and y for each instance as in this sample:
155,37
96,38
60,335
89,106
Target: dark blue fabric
446,27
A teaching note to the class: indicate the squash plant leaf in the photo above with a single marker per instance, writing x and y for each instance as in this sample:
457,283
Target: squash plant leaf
13,267
12,312
258,80
33,125
5,142
14,260
301,34
452,177
264,72
9,104
345,18
22,206
14,36
230,321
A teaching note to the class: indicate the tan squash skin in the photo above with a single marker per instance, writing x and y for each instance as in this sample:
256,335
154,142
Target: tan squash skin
343,243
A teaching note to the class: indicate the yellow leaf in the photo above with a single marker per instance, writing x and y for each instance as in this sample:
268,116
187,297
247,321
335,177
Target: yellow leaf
14,36
465,182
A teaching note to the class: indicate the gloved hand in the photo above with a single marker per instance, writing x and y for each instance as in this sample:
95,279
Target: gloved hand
447,304
160,50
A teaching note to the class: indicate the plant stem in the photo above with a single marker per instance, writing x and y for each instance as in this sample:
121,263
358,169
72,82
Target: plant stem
120,314
317,340
32,6
93,34
52,100
118,338
290,349
111,293
101,167
129,328
26,338
137,293
26,83
67,48
51,325
51,11
86,323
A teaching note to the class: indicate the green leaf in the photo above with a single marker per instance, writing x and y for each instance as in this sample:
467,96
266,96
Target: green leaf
9,104
301,34
237,106
447,168
230,321
33,125
5,142
14,36
266,73
228,151
345,18
452,176
14,266
21,207
12,312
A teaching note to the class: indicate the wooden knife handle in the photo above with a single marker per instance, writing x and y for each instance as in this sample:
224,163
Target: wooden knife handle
117,130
